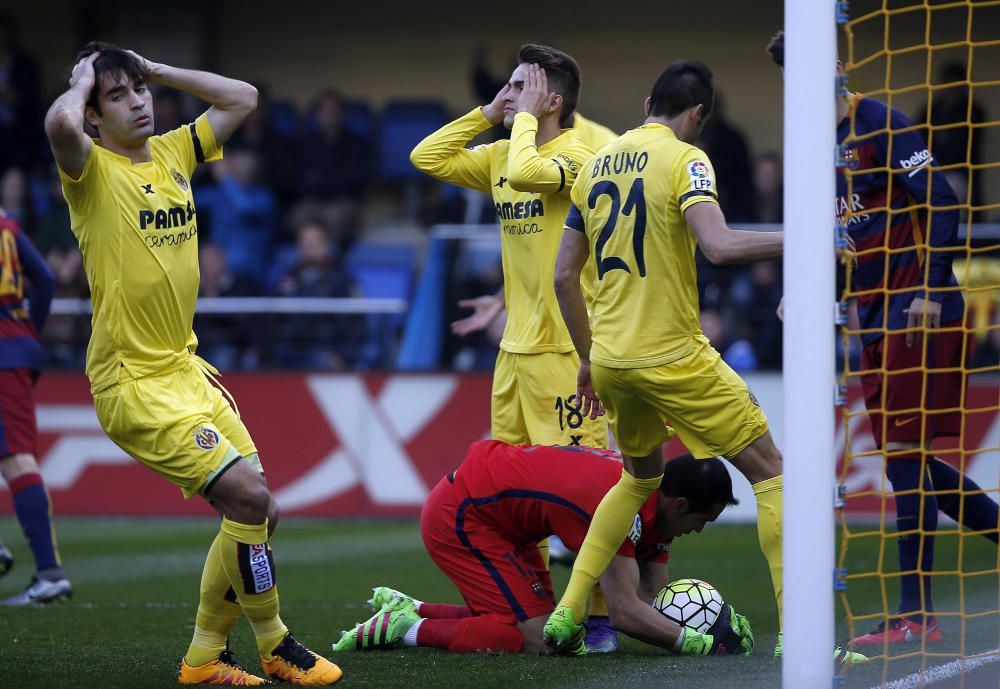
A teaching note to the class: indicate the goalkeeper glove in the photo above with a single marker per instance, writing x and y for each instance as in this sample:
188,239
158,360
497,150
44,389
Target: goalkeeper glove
730,635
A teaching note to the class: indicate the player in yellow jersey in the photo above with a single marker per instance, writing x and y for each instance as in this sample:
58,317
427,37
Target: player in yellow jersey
530,178
132,211
640,207
593,134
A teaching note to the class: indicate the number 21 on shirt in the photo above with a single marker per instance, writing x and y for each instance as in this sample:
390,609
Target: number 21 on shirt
635,205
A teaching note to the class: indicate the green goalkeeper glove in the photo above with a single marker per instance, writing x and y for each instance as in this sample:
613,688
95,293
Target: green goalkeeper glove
730,635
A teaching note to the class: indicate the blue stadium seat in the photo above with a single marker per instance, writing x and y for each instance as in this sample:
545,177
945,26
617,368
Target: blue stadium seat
382,271
403,125
359,118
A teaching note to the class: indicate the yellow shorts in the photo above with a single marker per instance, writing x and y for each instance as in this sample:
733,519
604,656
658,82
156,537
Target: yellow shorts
534,402
178,424
697,397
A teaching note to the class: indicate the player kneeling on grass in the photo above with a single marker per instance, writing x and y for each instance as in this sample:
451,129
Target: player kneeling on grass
482,524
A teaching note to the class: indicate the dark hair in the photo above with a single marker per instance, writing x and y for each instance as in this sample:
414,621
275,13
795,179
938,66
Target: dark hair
705,483
683,85
777,48
561,70
114,61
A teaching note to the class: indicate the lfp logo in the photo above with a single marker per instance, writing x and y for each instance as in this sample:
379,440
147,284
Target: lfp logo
206,438
701,179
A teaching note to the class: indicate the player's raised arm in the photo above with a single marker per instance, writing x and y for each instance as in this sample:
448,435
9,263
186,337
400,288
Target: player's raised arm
721,244
526,169
232,100
64,119
443,154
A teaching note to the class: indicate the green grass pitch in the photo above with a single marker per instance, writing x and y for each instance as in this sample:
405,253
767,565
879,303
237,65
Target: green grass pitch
136,587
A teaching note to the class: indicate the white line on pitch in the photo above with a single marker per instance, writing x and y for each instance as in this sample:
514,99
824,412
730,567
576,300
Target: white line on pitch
942,672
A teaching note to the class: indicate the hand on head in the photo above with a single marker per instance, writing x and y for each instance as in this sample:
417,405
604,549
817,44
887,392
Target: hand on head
493,111
535,95
83,72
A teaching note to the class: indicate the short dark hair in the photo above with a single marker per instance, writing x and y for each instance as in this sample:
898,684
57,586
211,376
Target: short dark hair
683,85
777,48
705,483
561,70
114,61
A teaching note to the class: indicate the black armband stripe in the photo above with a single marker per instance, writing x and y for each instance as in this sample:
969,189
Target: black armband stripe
692,194
562,176
199,155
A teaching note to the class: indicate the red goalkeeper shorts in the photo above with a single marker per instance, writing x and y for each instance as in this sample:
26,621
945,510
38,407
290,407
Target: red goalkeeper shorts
495,577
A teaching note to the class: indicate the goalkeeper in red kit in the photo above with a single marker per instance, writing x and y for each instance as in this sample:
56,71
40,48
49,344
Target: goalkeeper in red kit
482,523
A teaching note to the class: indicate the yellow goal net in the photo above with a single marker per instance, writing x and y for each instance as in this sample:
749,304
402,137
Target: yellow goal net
919,195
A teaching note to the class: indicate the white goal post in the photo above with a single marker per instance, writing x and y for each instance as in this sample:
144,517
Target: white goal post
809,289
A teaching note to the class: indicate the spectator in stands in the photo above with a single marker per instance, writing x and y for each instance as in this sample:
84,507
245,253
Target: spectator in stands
754,297
326,342
738,353
334,167
168,110
227,341
53,233
274,148
476,270
65,336
485,84
20,116
14,198
727,148
239,214
768,188
951,146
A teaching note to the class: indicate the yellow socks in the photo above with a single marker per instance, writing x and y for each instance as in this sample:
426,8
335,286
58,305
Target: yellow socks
218,610
598,606
769,518
249,565
543,549
608,529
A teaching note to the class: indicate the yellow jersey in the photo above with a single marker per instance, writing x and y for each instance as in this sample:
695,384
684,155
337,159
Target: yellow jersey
137,229
595,136
530,187
630,200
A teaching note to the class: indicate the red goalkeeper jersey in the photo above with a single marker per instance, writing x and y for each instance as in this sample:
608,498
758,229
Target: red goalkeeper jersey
529,493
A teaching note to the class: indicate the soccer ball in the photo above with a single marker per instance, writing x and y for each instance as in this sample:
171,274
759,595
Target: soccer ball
690,603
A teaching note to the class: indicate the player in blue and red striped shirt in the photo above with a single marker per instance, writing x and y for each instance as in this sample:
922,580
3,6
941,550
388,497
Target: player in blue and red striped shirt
903,218
26,288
